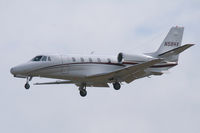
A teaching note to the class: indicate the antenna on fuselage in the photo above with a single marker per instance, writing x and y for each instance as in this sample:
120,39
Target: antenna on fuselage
92,52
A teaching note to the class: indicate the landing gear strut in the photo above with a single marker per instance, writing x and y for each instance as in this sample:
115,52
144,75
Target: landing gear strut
82,90
27,86
116,85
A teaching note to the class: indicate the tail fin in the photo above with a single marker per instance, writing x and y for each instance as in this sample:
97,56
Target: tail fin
172,40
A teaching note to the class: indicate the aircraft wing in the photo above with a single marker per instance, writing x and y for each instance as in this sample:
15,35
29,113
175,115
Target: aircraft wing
91,84
56,82
124,72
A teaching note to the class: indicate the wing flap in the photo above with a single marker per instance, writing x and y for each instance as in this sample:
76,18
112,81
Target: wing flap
97,85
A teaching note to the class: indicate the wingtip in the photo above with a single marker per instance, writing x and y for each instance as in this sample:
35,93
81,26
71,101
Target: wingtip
190,44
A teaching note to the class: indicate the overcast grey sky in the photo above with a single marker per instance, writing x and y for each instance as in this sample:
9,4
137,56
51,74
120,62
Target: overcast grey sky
167,104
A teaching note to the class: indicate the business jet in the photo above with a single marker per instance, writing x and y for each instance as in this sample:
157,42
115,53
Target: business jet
100,71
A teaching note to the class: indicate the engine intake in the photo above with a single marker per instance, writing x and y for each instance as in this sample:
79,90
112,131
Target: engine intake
120,57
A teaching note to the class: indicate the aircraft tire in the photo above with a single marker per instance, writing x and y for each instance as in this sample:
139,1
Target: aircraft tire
27,86
83,93
116,85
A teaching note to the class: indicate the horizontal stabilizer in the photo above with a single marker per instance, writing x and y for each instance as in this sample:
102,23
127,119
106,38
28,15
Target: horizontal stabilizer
175,51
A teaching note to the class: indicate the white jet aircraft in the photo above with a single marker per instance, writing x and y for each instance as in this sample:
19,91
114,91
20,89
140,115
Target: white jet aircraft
99,71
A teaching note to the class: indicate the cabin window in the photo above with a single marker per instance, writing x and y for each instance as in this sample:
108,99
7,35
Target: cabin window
98,59
73,59
49,58
90,59
82,60
109,61
44,58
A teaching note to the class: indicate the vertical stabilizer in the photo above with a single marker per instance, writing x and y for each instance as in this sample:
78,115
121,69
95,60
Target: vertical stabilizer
171,41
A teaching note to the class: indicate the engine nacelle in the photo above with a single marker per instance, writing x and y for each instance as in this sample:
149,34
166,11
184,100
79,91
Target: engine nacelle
133,58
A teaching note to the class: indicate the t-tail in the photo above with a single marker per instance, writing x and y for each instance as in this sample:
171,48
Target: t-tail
171,47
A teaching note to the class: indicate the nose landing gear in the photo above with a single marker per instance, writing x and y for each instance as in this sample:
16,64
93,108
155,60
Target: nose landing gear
27,85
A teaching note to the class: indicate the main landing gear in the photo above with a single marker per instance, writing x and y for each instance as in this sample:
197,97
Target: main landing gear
82,90
27,86
116,85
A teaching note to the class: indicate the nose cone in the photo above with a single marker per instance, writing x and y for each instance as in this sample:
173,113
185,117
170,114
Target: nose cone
12,71
19,71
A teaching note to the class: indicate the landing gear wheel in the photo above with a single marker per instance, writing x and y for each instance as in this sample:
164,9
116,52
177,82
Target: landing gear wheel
83,93
116,85
82,89
27,86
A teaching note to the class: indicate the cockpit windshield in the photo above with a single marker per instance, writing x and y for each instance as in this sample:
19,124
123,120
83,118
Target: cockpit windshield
41,58
44,58
37,58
